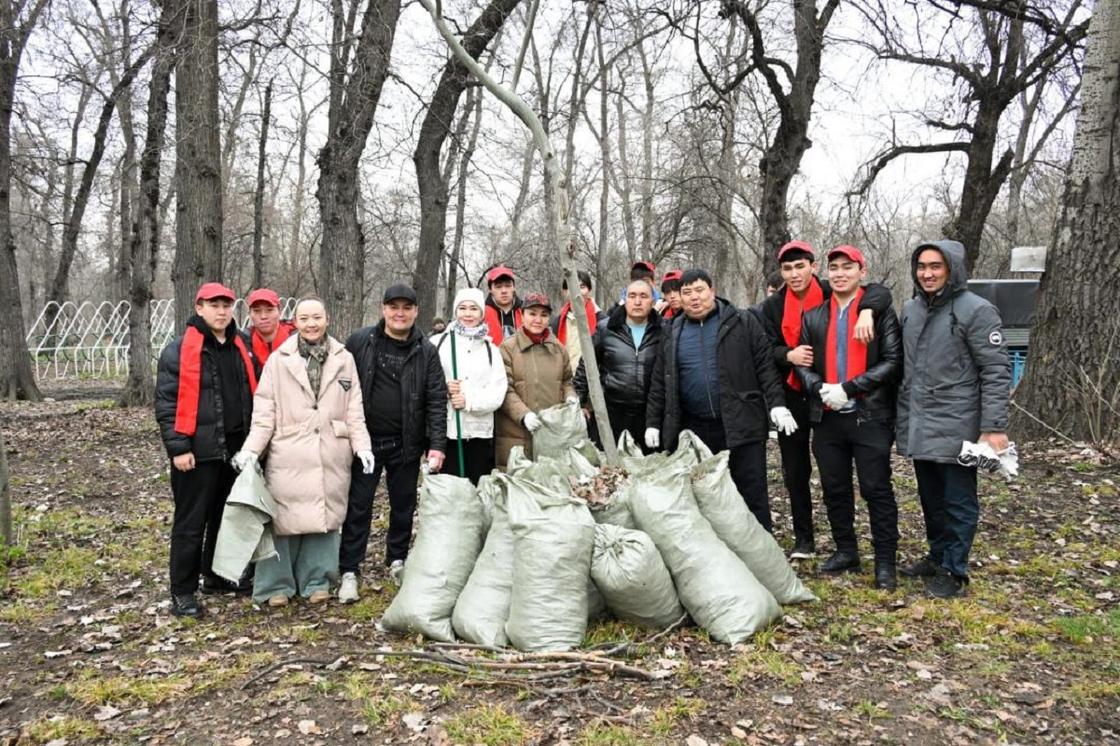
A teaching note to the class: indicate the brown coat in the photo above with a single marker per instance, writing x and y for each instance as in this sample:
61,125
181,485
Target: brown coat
311,444
538,377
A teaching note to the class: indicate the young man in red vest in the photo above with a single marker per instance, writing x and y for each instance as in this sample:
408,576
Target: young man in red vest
267,330
563,324
851,387
503,308
204,405
781,313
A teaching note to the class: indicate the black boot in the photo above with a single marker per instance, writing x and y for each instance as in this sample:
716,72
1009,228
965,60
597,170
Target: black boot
885,575
945,584
841,562
185,604
922,568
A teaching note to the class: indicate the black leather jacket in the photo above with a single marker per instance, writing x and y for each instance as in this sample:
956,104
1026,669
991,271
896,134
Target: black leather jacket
875,389
625,372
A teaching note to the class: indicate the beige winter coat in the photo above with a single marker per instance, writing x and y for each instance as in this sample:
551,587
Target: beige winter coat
310,445
538,377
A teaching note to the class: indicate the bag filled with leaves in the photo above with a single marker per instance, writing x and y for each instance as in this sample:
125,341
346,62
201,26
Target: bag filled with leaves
629,572
483,606
562,427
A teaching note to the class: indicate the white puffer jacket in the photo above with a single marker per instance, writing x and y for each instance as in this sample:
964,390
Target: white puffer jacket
484,382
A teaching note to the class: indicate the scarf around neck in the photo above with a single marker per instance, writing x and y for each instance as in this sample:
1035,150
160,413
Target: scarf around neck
316,356
857,351
537,339
793,309
470,332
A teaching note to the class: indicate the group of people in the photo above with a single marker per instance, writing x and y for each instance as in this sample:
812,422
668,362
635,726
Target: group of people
827,363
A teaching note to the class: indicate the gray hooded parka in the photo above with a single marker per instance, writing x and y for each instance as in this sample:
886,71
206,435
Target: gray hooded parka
956,377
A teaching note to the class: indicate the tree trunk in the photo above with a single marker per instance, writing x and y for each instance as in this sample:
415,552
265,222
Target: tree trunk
5,496
434,131
461,208
354,94
198,170
258,197
139,389
17,380
1072,379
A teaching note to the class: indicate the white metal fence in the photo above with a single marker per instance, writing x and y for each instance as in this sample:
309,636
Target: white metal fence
90,340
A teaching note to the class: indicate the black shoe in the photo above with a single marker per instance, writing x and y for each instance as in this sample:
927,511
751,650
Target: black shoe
803,549
922,568
841,562
885,576
185,604
213,584
945,585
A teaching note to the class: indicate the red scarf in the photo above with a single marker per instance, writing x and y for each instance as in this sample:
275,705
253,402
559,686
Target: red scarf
537,339
190,378
262,349
857,351
562,327
792,311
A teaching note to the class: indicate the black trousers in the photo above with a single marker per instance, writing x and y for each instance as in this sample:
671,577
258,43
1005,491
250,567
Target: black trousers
951,510
838,441
797,468
200,498
478,458
400,479
747,463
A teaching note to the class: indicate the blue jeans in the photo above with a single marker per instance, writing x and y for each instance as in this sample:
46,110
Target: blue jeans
951,510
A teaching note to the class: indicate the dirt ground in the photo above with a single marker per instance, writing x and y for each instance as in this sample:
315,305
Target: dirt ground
89,653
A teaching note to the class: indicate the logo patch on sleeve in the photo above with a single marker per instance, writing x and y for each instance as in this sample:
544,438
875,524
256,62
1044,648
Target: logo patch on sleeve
996,337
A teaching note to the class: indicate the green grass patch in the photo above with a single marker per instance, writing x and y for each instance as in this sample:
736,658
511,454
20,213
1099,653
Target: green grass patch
871,710
768,664
63,727
491,725
1089,628
609,735
370,608
667,717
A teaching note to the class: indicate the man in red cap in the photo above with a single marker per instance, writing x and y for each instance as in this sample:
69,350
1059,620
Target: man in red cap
204,404
782,314
267,330
503,309
670,304
851,386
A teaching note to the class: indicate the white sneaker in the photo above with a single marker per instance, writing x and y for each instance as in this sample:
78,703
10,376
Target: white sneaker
396,571
348,589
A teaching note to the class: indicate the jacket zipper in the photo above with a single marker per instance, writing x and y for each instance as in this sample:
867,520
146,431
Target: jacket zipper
707,383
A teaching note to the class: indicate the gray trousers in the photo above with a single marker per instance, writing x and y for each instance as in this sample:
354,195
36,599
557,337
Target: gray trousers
306,563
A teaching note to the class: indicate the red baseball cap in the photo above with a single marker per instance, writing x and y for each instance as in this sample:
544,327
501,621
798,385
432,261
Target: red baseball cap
536,299
498,272
645,265
673,274
795,246
851,252
263,295
212,290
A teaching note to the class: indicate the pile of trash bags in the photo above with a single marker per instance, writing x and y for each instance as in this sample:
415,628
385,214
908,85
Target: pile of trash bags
532,555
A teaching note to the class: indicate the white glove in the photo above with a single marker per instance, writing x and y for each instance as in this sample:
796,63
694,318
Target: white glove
532,422
366,457
783,420
243,459
653,437
572,400
834,396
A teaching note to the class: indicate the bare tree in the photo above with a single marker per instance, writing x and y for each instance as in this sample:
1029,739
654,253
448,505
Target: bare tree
355,89
139,389
992,78
198,164
434,131
17,381
1073,377
258,195
5,496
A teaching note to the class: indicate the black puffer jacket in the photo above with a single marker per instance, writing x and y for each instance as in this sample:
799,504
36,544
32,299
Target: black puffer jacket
875,296
209,440
874,390
749,386
625,372
423,388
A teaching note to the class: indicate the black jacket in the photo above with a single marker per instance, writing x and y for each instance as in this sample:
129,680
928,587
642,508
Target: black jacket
209,440
874,390
749,386
875,296
625,372
423,388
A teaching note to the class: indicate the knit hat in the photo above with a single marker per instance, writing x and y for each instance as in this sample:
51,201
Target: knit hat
471,295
